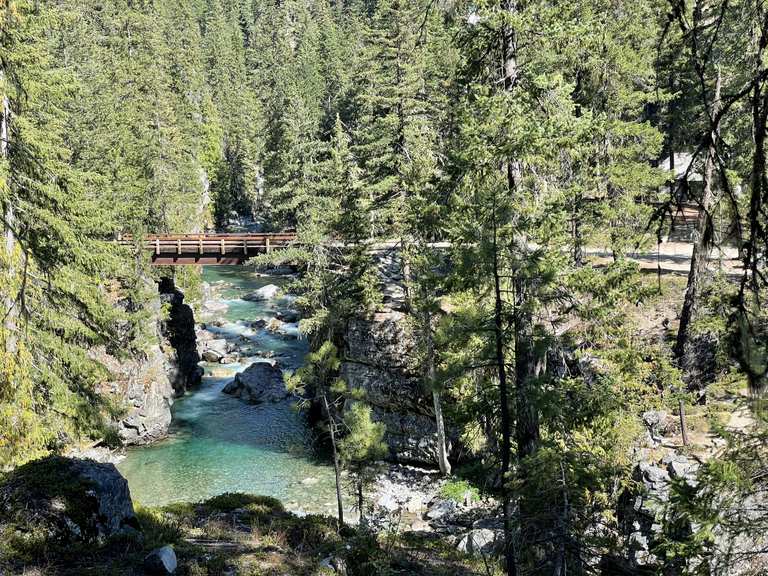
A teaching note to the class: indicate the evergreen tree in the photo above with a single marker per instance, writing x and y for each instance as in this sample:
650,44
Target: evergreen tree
56,260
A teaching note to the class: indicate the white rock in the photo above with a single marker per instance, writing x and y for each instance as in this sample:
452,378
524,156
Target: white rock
476,542
161,561
267,292
441,509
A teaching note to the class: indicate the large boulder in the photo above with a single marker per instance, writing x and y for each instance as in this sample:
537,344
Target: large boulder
268,292
215,349
478,542
145,382
65,501
260,382
641,514
141,382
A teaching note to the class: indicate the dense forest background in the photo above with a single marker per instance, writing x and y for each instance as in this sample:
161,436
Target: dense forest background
520,132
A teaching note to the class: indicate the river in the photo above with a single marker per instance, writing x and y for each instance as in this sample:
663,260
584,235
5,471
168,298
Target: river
220,444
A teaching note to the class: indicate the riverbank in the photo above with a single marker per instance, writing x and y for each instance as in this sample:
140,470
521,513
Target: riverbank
231,534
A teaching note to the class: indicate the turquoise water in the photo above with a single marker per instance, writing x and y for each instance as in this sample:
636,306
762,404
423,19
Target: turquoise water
220,444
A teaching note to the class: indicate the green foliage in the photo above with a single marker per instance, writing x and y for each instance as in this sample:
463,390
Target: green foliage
364,442
459,491
264,505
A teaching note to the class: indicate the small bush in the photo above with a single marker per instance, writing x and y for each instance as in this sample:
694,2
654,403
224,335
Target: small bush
230,501
459,490
313,532
184,512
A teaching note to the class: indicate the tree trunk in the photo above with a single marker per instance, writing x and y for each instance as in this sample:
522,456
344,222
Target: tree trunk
10,310
336,467
509,55
576,234
702,246
360,502
506,431
442,452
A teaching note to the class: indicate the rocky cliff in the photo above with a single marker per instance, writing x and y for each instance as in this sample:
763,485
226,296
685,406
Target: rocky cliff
379,359
144,383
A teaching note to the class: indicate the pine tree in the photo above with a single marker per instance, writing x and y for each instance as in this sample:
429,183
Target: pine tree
56,261
363,445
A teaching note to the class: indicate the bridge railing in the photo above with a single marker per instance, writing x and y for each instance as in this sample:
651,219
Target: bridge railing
212,243
209,248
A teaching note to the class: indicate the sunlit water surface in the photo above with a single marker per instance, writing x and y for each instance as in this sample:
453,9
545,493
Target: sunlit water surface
220,444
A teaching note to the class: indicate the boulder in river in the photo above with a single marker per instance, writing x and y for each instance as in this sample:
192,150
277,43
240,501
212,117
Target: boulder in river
214,350
267,292
66,501
290,316
260,382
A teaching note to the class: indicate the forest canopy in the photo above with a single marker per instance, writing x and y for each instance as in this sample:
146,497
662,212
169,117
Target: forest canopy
540,144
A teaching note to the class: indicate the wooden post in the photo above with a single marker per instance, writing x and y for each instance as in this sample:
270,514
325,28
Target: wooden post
245,246
200,244
178,247
157,246
223,248
268,248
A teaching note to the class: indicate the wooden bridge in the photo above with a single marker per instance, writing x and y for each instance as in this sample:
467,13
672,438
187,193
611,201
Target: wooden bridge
197,249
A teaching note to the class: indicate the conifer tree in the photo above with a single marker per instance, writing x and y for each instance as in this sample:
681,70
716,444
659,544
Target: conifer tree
56,261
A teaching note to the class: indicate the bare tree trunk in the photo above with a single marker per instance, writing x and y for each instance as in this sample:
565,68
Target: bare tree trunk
442,453
361,502
336,467
702,246
10,311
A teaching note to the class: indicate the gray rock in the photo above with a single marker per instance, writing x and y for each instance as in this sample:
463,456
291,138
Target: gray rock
68,499
267,292
334,564
380,359
655,421
215,306
653,477
441,509
680,467
260,382
148,395
160,562
290,316
212,356
219,346
481,541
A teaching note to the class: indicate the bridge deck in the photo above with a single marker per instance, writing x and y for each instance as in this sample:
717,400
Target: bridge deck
192,249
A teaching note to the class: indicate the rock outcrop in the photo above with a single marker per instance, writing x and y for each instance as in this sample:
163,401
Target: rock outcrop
179,331
65,500
260,382
145,382
140,384
379,359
